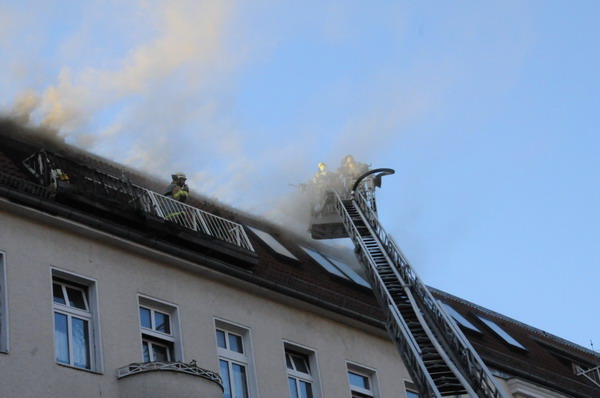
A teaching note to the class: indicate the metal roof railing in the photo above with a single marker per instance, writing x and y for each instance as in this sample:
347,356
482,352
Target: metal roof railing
195,219
88,181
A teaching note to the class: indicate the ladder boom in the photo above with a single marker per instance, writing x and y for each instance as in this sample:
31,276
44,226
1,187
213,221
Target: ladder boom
440,359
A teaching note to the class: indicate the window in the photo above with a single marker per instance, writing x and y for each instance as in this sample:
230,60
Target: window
459,318
76,325
273,243
411,390
235,364
501,333
159,329
3,308
336,267
362,382
302,372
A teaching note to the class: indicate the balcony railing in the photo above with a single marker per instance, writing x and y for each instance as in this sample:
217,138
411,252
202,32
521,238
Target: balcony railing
195,219
57,173
192,369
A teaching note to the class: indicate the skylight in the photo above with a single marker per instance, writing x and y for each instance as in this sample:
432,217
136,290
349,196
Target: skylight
501,333
459,318
350,272
336,267
273,243
323,262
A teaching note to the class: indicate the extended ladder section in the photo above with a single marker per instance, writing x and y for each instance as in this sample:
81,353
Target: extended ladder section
441,360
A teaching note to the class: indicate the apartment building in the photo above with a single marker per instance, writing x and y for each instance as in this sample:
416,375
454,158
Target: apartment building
109,289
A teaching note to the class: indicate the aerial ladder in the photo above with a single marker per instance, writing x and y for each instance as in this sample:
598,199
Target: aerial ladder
439,357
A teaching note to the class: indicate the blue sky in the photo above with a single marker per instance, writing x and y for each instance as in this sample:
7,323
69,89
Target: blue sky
487,111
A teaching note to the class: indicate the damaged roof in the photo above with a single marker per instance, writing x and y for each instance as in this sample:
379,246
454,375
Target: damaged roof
508,346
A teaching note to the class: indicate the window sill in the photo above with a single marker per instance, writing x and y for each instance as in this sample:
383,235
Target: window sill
80,369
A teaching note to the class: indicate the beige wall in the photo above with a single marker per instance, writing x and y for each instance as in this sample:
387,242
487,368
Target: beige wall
29,369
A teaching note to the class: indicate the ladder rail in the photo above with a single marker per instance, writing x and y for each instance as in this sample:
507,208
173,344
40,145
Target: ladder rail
426,382
462,348
409,350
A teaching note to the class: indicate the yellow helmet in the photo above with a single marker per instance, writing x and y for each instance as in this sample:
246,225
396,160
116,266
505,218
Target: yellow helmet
322,166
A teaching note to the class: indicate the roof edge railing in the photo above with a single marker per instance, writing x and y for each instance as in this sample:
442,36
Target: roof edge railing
48,168
195,219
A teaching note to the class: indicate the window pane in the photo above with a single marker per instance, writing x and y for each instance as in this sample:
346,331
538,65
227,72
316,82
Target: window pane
300,364
410,394
145,318
505,336
358,380
288,361
235,343
61,338
161,353
221,339
58,294
76,298
146,351
81,343
224,370
293,388
239,380
305,390
161,322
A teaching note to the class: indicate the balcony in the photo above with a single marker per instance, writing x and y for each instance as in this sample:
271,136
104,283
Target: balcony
116,199
168,379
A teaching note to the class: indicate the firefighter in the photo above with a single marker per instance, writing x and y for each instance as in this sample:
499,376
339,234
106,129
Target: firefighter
178,189
322,174
350,170
322,182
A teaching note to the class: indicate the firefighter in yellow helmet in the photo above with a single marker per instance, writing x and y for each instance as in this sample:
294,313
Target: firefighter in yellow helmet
178,189
323,181
322,174
350,170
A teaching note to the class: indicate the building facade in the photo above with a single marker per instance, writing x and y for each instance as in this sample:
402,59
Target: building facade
103,294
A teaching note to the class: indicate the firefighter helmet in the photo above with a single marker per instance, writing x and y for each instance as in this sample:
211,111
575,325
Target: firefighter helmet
178,175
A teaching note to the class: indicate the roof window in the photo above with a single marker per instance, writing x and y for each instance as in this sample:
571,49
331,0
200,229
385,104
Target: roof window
273,243
336,267
462,321
501,333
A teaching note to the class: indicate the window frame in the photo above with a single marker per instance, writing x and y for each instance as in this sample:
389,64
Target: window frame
89,291
272,243
4,341
369,374
410,390
153,337
504,336
310,357
233,357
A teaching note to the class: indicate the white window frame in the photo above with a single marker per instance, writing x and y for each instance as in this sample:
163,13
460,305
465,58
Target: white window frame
311,359
152,337
3,305
88,288
410,389
368,373
231,357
